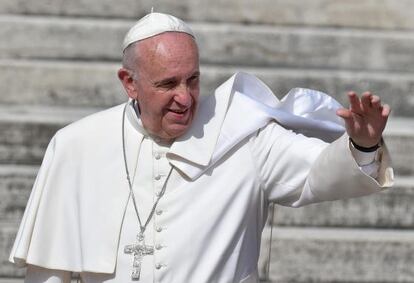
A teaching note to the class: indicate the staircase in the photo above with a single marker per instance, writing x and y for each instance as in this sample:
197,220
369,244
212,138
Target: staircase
58,63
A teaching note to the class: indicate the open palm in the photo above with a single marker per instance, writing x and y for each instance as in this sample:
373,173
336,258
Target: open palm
365,119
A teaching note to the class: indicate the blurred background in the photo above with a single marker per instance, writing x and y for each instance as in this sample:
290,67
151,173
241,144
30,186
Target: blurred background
58,63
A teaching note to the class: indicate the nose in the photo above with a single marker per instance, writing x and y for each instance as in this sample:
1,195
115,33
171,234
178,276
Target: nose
183,96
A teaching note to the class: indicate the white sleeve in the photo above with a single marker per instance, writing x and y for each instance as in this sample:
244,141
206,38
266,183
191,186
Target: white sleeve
284,160
36,274
295,170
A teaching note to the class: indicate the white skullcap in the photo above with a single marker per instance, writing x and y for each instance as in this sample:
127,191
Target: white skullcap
154,24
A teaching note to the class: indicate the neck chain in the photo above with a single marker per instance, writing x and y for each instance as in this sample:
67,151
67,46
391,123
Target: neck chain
139,250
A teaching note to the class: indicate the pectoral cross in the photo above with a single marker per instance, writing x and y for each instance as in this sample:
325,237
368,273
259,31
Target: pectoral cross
139,251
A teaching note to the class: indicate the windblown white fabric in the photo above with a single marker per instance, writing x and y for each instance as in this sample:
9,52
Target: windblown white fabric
154,24
253,105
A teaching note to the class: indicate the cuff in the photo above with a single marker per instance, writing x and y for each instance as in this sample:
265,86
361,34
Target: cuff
362,158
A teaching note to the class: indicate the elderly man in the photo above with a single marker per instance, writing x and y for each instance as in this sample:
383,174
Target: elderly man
166,188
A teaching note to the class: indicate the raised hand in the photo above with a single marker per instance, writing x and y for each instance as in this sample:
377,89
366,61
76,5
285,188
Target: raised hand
365,119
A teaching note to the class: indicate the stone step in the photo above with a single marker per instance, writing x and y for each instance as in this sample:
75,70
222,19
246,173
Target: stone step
26,130
223,44
59,83
313,255
16,182
400,136
7,235
11,280
340,255
21,280
388,209
383,14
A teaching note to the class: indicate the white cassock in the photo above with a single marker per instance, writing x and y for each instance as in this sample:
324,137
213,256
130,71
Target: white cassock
233,161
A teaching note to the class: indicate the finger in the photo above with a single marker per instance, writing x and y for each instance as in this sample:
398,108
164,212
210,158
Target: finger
375,102
366,100
348,117
386,110
344,113
355,104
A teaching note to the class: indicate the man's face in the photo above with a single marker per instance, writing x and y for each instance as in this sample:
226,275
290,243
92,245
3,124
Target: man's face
166,83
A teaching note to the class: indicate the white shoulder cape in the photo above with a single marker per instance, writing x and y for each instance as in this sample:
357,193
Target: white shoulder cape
74,215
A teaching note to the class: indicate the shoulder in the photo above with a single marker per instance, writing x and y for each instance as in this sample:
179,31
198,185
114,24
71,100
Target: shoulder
92,136
90,141
97,124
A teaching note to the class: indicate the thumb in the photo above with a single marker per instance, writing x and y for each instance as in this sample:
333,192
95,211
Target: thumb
344,113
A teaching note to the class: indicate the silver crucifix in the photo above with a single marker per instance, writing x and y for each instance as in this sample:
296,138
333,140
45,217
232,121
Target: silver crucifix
139,251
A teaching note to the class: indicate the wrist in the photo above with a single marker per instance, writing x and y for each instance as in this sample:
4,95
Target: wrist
363,148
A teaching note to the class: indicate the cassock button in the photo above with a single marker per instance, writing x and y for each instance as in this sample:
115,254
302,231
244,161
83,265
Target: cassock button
158,266
159,229
157,156
158,247
158,212
157,177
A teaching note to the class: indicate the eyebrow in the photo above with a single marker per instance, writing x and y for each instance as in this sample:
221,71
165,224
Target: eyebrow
164,81
196,73
173,79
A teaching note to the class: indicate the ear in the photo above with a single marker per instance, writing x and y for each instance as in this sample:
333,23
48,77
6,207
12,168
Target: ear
125,76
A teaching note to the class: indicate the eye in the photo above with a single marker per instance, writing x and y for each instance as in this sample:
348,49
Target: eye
169,84
193,79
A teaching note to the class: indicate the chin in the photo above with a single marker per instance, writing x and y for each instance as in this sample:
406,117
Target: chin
177,131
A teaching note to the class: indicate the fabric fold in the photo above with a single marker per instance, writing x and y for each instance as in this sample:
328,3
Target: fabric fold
305,111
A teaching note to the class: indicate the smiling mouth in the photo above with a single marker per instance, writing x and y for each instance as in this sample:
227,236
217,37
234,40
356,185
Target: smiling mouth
180,116
177,111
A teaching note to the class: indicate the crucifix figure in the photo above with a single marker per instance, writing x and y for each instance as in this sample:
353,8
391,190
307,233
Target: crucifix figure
139,250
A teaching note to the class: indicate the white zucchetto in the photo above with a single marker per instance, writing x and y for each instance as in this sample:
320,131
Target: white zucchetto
154,24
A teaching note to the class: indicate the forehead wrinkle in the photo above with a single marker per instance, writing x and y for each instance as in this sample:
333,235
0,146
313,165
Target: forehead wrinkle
147,55
164,53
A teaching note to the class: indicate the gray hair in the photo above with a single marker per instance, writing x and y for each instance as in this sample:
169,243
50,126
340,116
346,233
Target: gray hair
130,59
